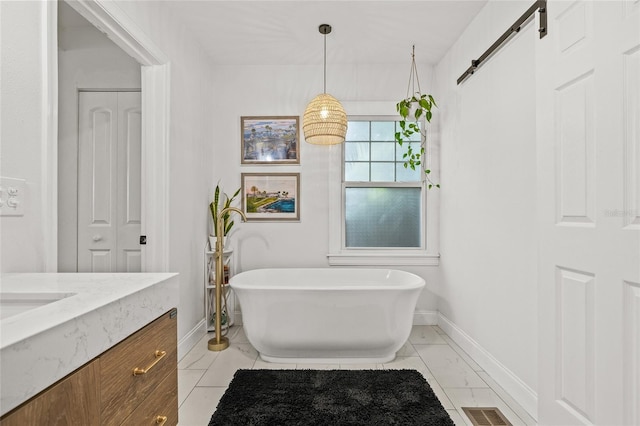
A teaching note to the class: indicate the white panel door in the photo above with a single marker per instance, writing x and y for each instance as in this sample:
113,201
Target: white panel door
128,258
97,149
588,136
109,164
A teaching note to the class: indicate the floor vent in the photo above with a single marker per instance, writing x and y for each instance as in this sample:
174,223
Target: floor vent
486,416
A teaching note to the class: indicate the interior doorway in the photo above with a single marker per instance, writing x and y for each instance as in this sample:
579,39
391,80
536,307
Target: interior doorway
155,86
99,150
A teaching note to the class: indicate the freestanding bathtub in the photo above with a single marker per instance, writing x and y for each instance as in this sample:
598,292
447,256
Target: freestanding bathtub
327,315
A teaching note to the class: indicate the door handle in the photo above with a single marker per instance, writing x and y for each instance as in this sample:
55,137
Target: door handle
97,237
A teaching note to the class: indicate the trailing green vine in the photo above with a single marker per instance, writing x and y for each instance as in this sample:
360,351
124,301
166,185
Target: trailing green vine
411,110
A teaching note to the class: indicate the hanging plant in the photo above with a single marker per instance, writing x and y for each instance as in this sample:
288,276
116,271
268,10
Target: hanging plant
412,108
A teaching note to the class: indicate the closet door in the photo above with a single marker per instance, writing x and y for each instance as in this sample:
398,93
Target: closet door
588,136
128,208
109,163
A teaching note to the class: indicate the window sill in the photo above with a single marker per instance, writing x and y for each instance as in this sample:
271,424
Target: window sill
383,259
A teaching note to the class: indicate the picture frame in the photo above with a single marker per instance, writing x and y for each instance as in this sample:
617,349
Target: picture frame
271,196
270,140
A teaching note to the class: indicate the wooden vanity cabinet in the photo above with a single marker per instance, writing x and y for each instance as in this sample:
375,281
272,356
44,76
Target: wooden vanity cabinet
74,400
107,392
159,408
153,352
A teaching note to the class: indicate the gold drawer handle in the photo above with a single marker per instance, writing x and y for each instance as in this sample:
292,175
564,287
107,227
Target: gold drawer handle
139,371
160,420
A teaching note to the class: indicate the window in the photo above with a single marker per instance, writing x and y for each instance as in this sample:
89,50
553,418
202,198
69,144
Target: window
383,205
379,192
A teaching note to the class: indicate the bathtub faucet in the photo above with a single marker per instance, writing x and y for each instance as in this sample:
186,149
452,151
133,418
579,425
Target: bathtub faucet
220,343
220,228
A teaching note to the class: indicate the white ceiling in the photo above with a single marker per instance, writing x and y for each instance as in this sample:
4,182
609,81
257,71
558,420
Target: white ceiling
241,32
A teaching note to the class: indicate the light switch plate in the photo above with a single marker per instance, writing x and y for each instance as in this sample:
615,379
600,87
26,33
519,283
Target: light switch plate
12,196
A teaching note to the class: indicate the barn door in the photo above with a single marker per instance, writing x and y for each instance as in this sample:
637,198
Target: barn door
588,134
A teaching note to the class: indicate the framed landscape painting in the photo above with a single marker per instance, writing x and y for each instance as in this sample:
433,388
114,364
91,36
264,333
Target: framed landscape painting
270,140
271,196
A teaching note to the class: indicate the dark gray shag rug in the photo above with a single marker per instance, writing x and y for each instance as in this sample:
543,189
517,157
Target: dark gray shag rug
329,397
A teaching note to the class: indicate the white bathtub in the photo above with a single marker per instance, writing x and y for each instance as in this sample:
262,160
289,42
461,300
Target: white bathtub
327,315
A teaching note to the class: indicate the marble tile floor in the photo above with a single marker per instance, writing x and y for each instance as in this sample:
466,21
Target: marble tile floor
203,376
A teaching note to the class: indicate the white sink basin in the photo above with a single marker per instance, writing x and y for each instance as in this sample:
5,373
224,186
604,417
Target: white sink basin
12,304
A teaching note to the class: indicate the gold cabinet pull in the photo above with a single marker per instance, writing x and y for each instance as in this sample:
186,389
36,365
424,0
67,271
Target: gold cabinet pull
160,420
139,371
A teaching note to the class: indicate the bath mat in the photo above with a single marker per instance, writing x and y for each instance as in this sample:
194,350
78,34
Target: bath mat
329,397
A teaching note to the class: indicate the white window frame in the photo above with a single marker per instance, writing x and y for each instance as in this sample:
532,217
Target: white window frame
428,254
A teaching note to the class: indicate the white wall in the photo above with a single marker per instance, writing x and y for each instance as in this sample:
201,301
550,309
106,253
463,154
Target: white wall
23,142
192,144
286,90
487,283
87,59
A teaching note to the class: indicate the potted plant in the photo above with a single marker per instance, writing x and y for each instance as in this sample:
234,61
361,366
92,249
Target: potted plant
414,106
214,208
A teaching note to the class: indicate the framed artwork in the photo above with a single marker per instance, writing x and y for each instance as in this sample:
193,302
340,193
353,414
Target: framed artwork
271,196
270,140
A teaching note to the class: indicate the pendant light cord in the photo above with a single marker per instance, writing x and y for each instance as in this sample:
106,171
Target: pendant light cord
325,65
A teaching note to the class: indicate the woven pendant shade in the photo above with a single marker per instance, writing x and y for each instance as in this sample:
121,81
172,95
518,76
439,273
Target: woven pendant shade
324,121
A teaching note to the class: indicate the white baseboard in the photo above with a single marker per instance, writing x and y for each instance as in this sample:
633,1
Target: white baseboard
425,318
237,318
191,339
520,391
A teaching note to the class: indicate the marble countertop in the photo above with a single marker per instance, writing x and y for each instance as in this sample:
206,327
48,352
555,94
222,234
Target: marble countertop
42,345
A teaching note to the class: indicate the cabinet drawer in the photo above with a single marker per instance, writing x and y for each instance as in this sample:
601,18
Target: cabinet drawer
121,391
163,402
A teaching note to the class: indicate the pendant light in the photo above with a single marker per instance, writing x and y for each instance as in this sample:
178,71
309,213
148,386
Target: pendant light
324,121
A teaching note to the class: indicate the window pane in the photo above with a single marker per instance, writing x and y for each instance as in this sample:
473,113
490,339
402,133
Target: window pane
358,131
356,151
383,131
356,172
383,151
382,217
382,172
403,149
407,175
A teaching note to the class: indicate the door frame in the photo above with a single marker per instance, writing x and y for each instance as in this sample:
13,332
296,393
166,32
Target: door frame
110,19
